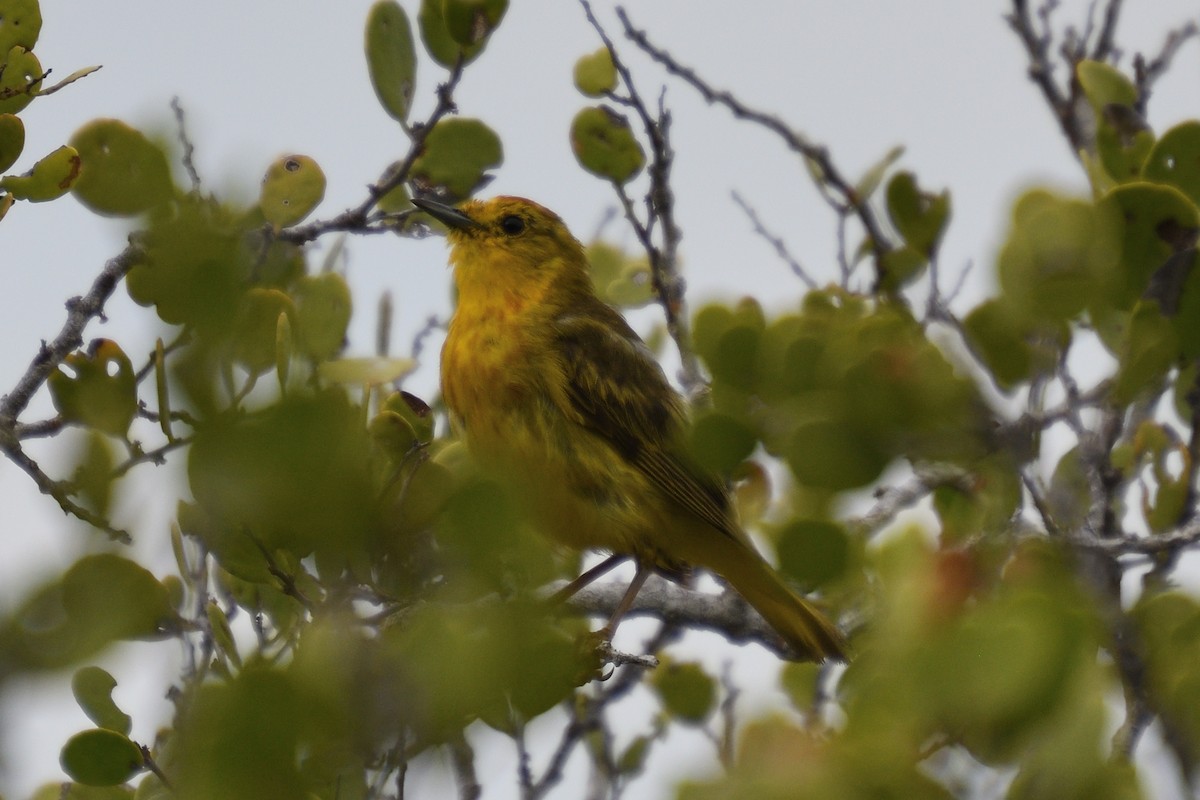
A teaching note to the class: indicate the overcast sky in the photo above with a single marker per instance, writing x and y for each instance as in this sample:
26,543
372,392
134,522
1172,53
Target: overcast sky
944,78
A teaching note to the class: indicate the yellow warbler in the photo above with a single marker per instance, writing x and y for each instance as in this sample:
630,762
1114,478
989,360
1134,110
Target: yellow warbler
558,396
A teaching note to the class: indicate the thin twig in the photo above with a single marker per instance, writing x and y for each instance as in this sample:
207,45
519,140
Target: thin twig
892,501
1041,72
1106,40
80,311
1147,74
828,175
358,219
775,242
665,279
189,150
462,756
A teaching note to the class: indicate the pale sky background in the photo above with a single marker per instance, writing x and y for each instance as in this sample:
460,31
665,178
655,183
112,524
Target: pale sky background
945,78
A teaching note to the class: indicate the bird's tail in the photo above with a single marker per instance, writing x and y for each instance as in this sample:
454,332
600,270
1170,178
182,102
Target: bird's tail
809,632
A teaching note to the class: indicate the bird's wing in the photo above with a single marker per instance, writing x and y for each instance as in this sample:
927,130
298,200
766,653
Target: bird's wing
616,389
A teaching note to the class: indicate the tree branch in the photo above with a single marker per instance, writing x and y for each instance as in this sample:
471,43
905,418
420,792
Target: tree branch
1146,74
726,613
1041,72
828,176
359,218
80,311
668,284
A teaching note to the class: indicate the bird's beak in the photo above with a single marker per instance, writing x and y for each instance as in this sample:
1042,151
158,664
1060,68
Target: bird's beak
446,214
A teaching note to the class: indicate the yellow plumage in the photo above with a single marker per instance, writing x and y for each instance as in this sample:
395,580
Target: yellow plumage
559,397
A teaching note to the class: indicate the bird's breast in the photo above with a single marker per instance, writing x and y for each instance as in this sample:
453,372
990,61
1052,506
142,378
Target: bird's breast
485,363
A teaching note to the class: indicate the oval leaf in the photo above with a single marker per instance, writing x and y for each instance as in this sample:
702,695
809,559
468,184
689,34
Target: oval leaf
1175,159
391,57
457,154
470,22
291,189
124,173
605,145
256,327
441,46
12,140
323,314
100,758
20,80
595,73
686,691
116,599
20,24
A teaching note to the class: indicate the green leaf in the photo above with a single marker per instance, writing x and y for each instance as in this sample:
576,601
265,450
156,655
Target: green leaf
117,597
92,688
1175,160
323,310
124,173
1150,348
1059,257
719,442
687,692
368,371
620,280
834,454
1104,85
813,552
241,739
196,266
12,140
222,634
871,179
471,22
413,409
1155,217
391,57
1013,347
294,476
50,178
458,152
901,266
633,758
98,389
101,758
255,328
438,42
393,433
20,80
595,74
1069,495
799,680
1168,623
919,216
20,24
1123,139
93,476
293,186
605,146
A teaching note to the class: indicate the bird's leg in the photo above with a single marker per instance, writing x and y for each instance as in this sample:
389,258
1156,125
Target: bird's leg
568,591
605,634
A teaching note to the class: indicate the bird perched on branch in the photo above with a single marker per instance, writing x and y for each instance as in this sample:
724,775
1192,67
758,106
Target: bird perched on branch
559,398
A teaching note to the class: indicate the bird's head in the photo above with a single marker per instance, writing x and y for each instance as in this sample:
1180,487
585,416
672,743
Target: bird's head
507,242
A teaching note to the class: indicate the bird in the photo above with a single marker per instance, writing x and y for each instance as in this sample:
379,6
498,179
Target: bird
555,394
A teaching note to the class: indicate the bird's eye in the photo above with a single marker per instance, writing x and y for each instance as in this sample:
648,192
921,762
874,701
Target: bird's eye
512,225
